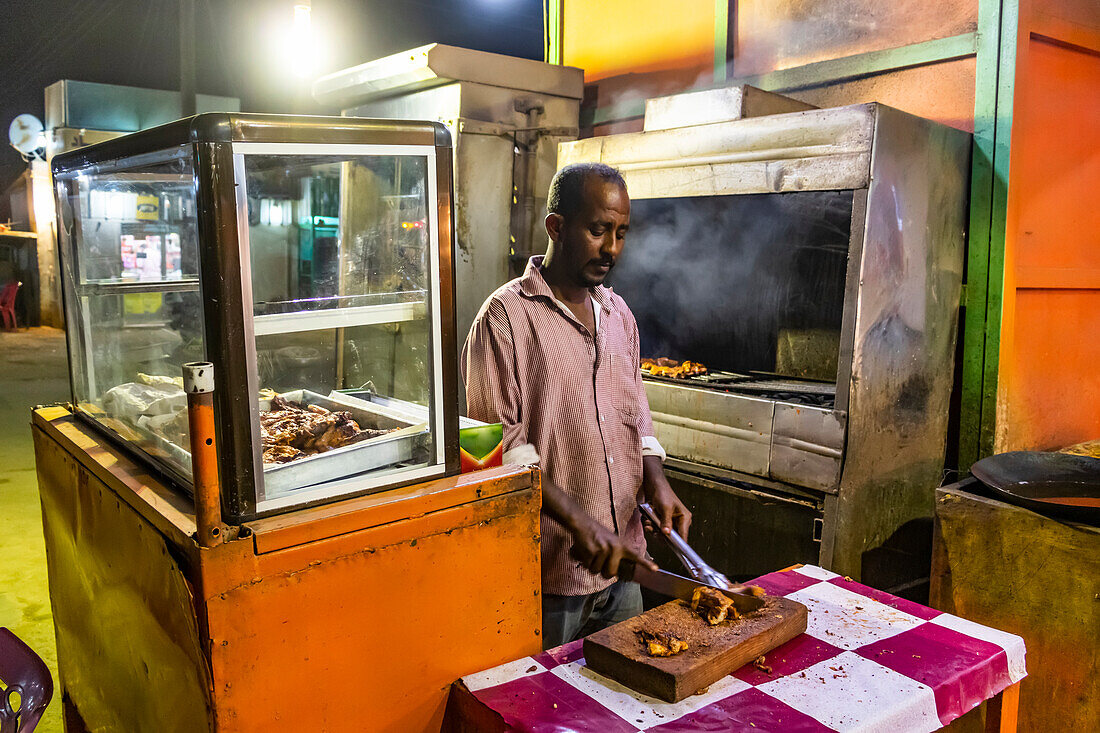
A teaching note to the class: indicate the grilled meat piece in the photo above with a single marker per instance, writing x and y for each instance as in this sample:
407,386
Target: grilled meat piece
714,606
281,454
662,643
672,369
297,431
692,368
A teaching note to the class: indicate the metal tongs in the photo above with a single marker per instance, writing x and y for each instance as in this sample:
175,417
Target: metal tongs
697,568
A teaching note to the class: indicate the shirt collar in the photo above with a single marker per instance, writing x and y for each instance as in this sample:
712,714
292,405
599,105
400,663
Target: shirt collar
533,285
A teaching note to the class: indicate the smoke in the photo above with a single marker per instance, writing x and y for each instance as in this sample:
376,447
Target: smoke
717,279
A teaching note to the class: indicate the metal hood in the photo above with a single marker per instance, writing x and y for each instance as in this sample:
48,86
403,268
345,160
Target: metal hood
437,64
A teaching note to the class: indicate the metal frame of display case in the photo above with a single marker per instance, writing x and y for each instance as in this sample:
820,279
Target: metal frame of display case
218,143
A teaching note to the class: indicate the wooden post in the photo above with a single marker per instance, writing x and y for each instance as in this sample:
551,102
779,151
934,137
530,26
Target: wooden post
1002,709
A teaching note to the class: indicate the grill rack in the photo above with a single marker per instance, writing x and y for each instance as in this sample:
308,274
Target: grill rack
797,391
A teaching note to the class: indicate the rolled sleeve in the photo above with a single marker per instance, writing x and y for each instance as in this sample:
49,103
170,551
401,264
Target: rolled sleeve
650,447
489,372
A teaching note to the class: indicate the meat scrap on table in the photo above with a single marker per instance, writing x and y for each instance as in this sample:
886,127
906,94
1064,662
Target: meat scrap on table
289,431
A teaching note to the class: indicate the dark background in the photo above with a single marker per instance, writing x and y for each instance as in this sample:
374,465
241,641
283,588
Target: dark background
136,43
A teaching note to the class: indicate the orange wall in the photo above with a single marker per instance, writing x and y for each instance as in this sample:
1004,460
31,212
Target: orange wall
633,51
1049,387
614,37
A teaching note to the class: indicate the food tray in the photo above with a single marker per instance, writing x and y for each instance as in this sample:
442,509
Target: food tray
385,450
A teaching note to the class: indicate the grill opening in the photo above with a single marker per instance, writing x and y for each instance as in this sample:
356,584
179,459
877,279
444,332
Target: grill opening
752,286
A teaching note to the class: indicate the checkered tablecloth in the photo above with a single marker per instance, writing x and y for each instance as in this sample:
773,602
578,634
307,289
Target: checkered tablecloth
869,661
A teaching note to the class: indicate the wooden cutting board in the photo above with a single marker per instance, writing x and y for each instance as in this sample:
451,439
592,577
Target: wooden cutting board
713,651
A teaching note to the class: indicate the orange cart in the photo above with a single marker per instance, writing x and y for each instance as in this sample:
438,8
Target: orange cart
252,514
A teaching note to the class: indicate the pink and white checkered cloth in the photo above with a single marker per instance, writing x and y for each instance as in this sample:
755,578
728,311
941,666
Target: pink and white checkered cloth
869,661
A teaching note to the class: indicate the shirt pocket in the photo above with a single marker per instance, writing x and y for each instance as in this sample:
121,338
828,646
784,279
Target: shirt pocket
624,386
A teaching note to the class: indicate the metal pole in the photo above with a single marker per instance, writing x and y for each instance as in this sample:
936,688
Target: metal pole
187,58
198,383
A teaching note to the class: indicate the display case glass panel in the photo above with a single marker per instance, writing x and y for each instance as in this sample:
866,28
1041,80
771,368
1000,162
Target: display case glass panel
308,259
344,276
130,272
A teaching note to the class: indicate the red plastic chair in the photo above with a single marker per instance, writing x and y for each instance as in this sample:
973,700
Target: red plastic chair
29,685
7,304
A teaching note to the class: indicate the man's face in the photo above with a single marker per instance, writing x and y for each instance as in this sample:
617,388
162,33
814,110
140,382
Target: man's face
590,241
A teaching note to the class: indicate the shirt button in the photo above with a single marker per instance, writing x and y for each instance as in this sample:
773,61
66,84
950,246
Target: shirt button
610,460
602,419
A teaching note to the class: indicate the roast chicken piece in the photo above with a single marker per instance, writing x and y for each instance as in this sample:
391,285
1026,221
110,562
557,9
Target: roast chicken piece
662,643
281,454
714,606
289,431
672,369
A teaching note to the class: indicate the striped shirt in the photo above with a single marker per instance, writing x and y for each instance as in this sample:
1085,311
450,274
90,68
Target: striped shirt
570,401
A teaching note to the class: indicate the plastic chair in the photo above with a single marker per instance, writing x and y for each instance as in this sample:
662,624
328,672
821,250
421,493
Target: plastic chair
29,685
7,304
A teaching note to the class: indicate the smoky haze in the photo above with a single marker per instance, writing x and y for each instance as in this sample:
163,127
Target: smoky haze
721,279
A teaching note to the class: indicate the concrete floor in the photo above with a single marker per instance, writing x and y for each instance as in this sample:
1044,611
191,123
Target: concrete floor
33,371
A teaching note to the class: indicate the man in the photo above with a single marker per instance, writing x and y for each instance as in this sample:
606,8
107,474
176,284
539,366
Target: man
553,355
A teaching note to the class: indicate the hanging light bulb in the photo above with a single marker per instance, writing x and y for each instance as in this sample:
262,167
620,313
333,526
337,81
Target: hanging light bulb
301,38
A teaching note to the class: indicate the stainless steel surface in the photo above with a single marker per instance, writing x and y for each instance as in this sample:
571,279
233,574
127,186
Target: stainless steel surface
795,444
879,447
506,117
904,332
724,104
821,149
675,586
348,460
437,64
312,320
807,446
711,427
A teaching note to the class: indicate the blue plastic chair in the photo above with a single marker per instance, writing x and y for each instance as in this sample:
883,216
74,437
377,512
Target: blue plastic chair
27,685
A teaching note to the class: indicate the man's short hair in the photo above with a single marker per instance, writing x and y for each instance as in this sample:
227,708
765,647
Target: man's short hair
567,189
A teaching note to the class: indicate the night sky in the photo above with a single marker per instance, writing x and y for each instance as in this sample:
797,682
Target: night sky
238,54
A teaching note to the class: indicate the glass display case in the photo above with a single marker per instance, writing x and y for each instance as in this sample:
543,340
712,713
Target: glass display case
307,258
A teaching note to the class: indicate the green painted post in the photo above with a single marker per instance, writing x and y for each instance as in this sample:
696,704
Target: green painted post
1006,95
555,11
721,38
993,97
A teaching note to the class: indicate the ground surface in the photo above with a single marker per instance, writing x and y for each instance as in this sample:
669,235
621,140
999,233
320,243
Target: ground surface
33,371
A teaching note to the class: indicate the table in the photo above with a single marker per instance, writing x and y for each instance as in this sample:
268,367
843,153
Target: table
869,661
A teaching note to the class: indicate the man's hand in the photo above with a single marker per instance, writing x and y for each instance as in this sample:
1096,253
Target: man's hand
595,546
670,510
601,550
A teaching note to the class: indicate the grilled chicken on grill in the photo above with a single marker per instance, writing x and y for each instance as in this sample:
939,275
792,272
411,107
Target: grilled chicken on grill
672,369
289,431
